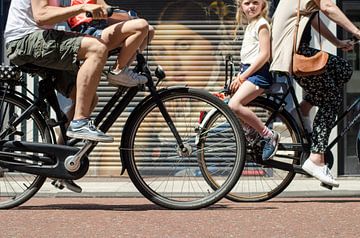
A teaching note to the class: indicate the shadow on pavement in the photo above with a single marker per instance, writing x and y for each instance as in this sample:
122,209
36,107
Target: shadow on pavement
102,207
136,207
319,200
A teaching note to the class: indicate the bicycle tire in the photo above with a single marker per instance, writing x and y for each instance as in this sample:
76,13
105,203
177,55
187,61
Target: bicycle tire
155,165
257,182
18,187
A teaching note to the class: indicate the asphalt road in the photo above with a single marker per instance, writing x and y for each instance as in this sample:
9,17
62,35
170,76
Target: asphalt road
137,217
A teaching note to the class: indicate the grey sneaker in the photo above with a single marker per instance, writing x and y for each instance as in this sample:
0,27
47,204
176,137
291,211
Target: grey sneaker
271,145
126,78
84,129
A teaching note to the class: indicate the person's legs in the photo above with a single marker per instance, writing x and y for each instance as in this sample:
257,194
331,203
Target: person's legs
94,54
305,107
325,91
69,184
149,37
128,34
245,94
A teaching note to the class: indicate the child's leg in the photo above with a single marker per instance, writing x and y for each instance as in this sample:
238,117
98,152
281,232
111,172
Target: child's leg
129,35
245,94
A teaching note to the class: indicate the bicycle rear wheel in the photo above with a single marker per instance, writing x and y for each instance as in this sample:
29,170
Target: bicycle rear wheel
155,163
260,182
17,187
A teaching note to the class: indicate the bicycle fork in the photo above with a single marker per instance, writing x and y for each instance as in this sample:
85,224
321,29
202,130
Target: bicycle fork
183,150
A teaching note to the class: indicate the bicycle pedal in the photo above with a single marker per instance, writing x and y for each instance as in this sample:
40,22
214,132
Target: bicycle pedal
326,186
58,184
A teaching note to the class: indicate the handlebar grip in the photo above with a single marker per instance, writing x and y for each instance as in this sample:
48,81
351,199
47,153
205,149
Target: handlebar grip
109,12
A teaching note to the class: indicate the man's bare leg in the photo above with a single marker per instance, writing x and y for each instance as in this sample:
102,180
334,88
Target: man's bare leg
94,54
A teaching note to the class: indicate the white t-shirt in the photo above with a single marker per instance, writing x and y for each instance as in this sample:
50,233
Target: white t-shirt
20,20
250,46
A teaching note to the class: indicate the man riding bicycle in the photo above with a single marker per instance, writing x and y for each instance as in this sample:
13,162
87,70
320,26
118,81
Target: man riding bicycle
31,39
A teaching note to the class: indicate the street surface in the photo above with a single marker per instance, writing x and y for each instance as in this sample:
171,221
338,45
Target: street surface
137,217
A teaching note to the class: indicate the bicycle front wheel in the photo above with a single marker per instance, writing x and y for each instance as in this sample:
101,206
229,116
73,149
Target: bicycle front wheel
159,168
17,187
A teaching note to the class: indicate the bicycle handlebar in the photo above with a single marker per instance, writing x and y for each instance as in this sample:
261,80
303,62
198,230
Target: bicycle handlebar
111,10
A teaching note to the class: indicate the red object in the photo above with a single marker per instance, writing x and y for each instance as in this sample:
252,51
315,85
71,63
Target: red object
202,115
219,95
81,18
253,172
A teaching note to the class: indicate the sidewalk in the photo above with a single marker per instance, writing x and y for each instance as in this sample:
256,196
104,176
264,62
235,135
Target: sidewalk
123,187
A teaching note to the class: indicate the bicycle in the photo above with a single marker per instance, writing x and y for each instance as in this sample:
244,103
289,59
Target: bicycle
158,144
263,180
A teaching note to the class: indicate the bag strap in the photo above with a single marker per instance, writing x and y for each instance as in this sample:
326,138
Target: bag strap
297,28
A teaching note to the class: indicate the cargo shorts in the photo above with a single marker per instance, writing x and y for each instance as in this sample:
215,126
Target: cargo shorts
51,49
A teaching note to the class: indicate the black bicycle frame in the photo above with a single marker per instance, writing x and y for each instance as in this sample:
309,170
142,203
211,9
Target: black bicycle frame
59,171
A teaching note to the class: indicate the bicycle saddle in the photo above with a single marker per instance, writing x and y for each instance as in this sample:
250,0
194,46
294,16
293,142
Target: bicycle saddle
9,73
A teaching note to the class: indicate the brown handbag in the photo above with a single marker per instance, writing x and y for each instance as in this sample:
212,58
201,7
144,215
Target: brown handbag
304,65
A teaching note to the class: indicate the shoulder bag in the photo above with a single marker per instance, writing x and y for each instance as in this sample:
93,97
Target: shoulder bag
312,65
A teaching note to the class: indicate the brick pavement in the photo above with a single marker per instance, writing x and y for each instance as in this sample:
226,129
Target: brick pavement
137,217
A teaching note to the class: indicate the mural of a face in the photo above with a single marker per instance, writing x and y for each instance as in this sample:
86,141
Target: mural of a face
187,57
188,41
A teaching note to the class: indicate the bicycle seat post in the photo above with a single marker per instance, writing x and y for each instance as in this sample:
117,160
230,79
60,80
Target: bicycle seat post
228,78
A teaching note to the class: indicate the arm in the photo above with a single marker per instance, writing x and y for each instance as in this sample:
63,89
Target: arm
329,8
343,44
117,16
324,31
44,14
264,54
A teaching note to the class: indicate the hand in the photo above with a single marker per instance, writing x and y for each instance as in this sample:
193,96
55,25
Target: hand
345,45
236,83
97,11
357,34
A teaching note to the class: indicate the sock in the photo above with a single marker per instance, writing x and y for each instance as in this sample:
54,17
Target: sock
116,72
266,133
79,123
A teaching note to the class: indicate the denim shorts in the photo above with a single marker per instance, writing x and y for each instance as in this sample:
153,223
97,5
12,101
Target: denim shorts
261,78
93,28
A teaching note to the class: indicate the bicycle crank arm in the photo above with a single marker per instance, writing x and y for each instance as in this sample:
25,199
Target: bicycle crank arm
50,164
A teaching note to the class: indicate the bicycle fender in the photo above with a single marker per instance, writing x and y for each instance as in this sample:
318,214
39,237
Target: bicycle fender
204,120
16,93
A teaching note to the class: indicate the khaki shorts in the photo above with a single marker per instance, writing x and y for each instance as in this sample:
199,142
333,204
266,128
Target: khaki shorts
50,49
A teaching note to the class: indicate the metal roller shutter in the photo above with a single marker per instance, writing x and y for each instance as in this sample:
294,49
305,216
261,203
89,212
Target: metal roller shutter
191,49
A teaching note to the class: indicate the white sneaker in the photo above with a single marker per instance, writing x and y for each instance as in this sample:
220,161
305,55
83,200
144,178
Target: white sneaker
307,121
126,77
321,173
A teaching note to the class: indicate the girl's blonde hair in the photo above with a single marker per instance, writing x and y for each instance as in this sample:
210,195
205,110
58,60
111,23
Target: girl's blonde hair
240,15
